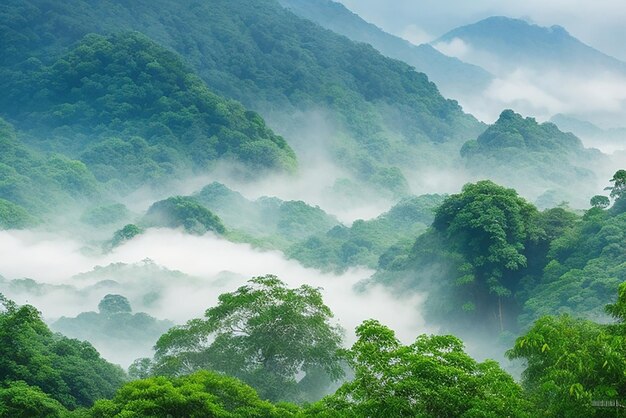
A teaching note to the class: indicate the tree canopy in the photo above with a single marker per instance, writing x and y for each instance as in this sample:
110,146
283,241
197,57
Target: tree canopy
433,377
68,371
263,333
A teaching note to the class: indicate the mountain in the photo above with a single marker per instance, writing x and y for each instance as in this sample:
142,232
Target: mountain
533,157
453,77
130,109
539,71
267,221
383,114
32,181
607,140
368,243
514,43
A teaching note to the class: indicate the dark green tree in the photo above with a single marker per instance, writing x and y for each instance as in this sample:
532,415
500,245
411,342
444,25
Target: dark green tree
69,371
433,377
120,236
202,394
19,400
599,201
491,227
618,189
569,363
186,212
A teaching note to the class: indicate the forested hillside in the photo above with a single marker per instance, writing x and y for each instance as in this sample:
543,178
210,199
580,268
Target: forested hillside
534,158
384,113
492,256
220,208
453,77
131,110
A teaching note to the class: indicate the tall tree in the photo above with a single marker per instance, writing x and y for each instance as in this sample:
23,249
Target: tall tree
490,227
263,333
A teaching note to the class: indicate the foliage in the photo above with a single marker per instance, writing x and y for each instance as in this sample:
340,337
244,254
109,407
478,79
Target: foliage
582,270
186,212
571,362
599,201
35,182
364,242
20,400
387,114
146,108
490,228
114,304
618,189
533,157
264,333
272,222
433,377
105,215
120,236
13,216
201,394
68,371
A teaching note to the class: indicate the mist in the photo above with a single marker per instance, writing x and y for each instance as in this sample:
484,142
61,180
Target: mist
194,271
542,91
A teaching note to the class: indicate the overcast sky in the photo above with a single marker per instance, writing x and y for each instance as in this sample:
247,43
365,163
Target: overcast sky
599,23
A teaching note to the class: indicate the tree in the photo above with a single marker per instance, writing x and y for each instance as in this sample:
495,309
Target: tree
569,363
183,211
263,333
490,227
113,304
433,377
618,190
68,371
19,400
599,201
120,236
202,394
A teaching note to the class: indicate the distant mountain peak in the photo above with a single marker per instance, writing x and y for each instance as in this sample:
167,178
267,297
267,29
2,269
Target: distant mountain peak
503,43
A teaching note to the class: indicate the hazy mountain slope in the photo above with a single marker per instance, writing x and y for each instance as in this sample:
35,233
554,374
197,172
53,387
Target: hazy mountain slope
514,43
132,110
120,335
607,140
267,221
367,243
385,114
453,77
539,71
534,157
37,182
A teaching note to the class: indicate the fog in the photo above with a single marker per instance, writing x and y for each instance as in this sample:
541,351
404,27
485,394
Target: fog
204,267
597,96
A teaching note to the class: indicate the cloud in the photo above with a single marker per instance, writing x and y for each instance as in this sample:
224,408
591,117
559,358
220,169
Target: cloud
210,266
455,48
599,98
415,34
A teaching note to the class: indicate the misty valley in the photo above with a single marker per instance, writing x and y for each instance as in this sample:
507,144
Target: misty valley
288,208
